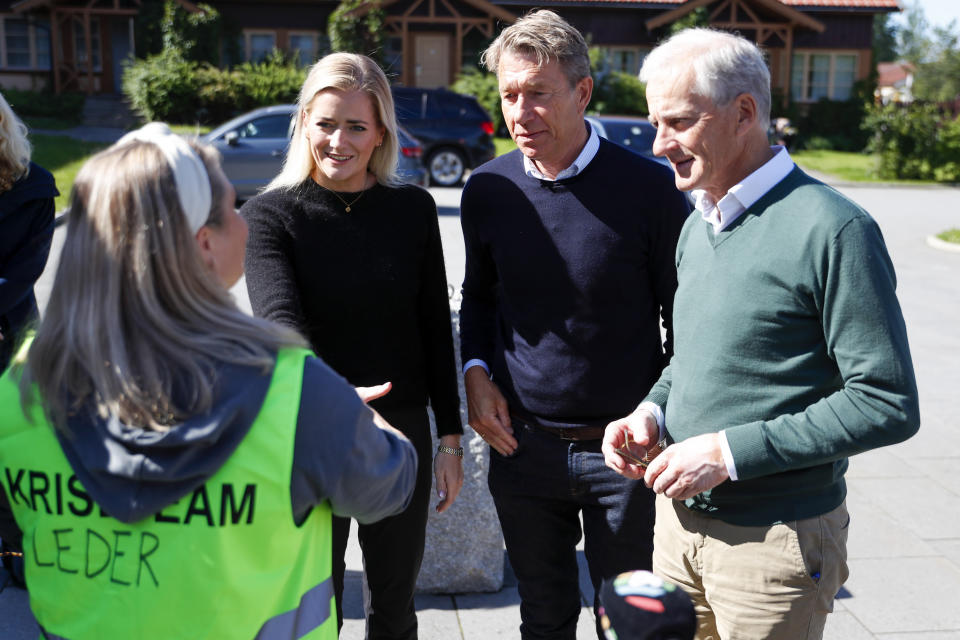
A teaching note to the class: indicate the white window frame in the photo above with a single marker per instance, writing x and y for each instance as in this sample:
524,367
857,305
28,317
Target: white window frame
315,35
831,80
32,37
248,41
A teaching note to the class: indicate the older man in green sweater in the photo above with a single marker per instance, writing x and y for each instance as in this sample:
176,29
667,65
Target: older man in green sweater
790,355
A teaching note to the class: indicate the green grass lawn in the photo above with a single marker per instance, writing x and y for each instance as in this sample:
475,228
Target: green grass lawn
504,145
196,130
846,165
63,157
950,235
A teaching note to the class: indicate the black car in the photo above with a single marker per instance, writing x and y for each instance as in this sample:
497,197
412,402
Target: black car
456,132
254,145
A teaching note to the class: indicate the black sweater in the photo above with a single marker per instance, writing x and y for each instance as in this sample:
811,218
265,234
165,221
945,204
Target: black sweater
367,288
565,282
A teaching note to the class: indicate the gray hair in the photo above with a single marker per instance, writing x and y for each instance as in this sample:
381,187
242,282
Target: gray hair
724,66
546,36
14,147
345,72
136,325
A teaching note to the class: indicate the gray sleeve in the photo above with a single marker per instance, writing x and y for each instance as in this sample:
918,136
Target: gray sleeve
340,455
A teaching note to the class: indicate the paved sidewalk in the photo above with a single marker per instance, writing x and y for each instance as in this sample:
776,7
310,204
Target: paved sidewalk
904,544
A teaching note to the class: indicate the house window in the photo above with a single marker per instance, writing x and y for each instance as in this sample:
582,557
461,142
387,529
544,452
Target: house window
80,44
822,75
259,44
17,38
24,44
625,59
305,46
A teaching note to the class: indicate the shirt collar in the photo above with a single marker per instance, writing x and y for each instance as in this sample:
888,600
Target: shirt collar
586,155
741,196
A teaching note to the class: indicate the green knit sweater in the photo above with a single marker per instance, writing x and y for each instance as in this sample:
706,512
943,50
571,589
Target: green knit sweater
788,335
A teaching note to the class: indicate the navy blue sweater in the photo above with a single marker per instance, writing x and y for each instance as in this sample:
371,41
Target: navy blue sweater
566,282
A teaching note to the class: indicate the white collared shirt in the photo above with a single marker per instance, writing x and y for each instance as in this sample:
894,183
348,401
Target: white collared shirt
741,196
586,155
721,215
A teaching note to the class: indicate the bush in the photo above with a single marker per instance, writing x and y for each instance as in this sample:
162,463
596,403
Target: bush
484,87
168,87
162,87
915,142
835,121
66,106
616,92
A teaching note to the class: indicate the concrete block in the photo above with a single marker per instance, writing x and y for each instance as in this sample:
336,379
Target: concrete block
464,546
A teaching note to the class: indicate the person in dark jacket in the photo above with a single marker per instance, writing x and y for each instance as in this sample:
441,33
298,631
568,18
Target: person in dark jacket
343,254
161,444
26,229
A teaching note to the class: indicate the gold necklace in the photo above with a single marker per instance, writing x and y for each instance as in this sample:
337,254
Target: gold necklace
345,203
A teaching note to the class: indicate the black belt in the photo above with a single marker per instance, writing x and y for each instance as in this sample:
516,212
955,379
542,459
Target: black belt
575,434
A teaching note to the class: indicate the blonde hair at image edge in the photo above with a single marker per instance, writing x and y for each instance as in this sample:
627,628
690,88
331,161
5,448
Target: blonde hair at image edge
345,72
14,147
133,311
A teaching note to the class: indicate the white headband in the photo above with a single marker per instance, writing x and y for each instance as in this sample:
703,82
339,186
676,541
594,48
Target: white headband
193,183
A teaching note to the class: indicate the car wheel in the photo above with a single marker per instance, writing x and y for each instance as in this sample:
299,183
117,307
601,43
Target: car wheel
446,167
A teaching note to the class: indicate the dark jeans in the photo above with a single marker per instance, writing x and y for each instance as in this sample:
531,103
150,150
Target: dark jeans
539,492
392,547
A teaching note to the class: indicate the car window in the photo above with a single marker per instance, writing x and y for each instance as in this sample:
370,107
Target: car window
452,106
409,104
265,127
636,136
436,109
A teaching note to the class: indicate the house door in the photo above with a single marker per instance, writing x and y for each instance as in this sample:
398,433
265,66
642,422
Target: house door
432,60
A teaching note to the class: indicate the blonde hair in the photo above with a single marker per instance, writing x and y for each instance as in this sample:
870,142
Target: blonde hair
136,325
345,72
14,147
544,35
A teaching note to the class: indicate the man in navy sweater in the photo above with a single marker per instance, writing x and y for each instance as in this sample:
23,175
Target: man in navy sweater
569,267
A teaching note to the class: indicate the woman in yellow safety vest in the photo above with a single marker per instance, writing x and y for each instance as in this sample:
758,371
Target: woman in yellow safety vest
172,463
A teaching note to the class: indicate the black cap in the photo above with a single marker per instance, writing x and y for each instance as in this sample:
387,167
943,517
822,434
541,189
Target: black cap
638,605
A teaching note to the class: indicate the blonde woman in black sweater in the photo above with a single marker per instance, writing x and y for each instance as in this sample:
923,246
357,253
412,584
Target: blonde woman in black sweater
352,260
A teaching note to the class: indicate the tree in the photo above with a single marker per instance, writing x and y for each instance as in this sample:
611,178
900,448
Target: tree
938,79
884,38
913,44
358,33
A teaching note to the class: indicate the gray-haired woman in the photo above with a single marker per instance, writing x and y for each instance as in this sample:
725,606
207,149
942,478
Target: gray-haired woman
172,462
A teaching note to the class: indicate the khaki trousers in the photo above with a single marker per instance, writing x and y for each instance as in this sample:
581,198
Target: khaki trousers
753,583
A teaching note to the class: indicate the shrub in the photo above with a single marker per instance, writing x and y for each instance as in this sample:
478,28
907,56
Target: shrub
617,92
915,142
835,121
483,86
358,33
168,87
67,106
162,87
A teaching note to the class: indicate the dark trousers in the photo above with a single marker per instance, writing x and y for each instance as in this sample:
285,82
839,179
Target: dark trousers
392,547
540,492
